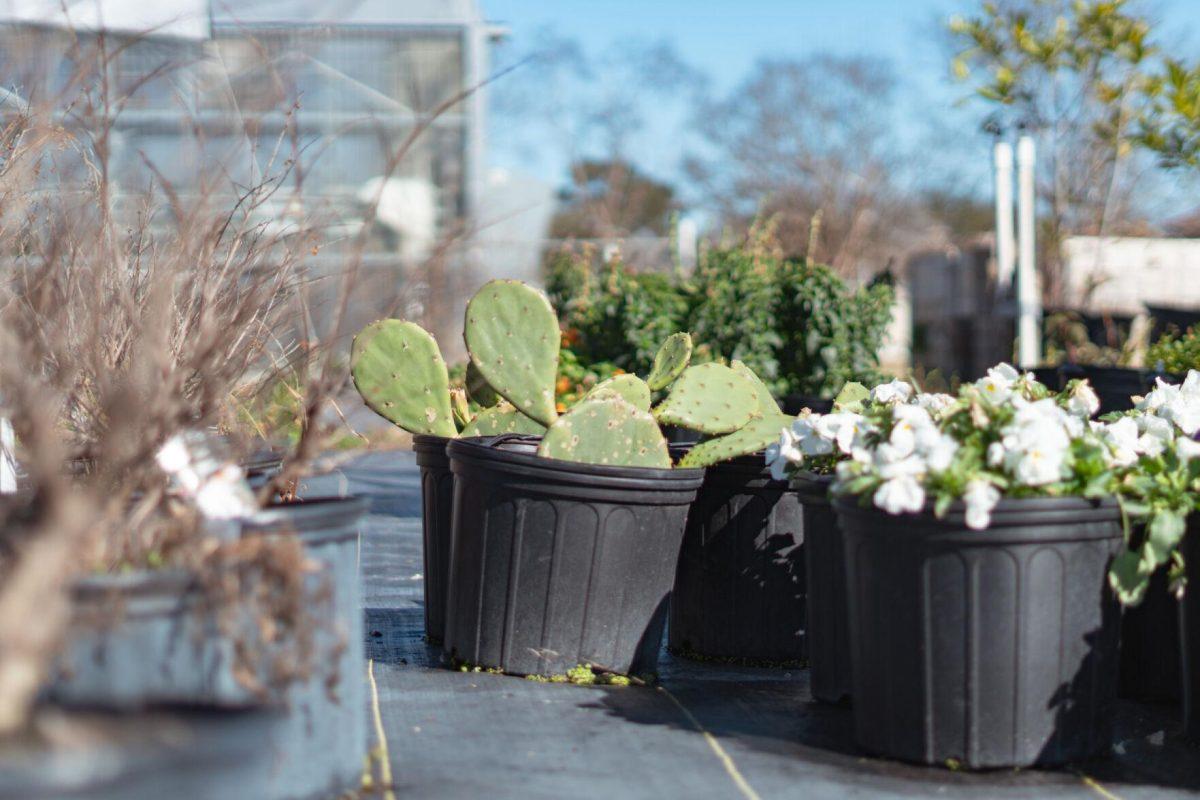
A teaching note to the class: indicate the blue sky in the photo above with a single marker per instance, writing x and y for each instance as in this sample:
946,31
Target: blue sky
725,38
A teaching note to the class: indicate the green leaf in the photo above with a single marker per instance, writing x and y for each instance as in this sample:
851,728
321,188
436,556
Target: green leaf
1164,532
1127,578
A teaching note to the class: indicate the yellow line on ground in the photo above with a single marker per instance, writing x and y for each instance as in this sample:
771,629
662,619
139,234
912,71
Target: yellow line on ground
385,758
1095,786
726,761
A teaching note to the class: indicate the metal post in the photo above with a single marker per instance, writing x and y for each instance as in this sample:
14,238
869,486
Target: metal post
1029,302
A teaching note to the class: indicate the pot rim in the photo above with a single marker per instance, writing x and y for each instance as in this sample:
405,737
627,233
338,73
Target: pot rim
1009,512
484,454
315,518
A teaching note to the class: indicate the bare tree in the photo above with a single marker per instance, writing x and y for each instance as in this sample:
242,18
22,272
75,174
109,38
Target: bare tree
810,143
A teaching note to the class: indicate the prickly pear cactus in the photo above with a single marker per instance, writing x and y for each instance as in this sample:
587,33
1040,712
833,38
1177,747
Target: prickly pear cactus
630,388
751,438
606,431
502,418
399,372
853,397
710,398
765,400
478,390
670,360
512,334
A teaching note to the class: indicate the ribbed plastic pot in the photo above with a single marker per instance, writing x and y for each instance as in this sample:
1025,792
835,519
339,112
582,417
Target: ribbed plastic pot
739,588
994,648
1189,625
437,505
828,618
1150,648
1115,386
144,639
556,564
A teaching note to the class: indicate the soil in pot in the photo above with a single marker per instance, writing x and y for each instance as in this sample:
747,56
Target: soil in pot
1150,648
556,564
993,648
437,501
825,564
1189,624
739,587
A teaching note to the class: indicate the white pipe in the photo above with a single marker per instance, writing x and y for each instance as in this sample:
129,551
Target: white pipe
1003,158
1029,303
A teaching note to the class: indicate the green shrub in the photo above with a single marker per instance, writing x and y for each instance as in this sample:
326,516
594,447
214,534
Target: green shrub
797,325
1176,353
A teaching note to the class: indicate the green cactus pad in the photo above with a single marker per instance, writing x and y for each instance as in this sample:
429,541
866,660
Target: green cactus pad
502,418
399,372
606,431
478,390
512,334
710,398
630,388
670,360
766,401
752,438
852,397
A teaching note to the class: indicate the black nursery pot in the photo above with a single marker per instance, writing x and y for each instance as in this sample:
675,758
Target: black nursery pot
1150,646
739,589
556,564
1189,626
437,501
995,648
828,618
793,404
1115,386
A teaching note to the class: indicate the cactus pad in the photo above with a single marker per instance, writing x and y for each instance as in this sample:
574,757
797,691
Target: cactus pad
710,398
606,431
502,418
766,401
670,360
478,390
852,397
752,438
401,376
630,388
512,334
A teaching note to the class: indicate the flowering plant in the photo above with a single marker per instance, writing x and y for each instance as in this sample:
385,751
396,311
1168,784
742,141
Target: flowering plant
1006,435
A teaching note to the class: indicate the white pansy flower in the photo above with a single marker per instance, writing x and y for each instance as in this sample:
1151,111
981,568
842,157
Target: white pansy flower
939,451
997,384
1122,440
808,437
894,391
995,454
1037,465
934,402
1187,449
1157,434
899,495
776,461
980,498
1083,401
842,428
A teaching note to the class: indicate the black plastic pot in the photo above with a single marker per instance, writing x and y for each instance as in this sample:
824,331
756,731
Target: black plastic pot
993,648
1116,386
1189,626
556,564
437,502
739,588
828,618
1050,377
793,404
1150,649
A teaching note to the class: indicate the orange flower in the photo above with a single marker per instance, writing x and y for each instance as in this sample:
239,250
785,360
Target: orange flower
618,371
560,407
563,386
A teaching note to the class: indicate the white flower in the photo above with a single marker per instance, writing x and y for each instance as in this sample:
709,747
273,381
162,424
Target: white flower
995,454
776,461
996,386
1157,435
1122,440
934,402
808,436
1162,394
895,391
226,495
173,456
980,497
938,450
1037,465
842,428
900,494
1187,449
1083,401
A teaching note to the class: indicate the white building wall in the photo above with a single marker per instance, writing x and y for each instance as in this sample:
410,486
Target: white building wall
1123,274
